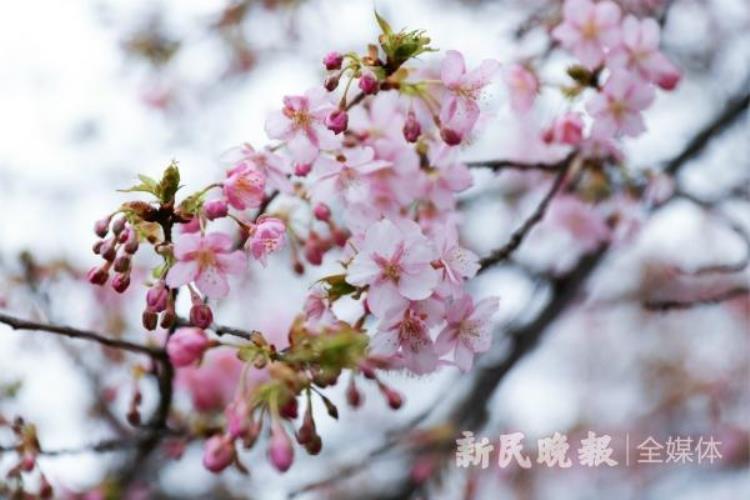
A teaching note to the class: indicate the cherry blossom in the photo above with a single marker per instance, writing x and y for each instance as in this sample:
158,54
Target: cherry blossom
456,263
348,171
395,261
244,187
274,167
206,260
588,29
639,53
268,236
566,129
523,87
468,329
617,108
585,225
186,346
460,111
302,124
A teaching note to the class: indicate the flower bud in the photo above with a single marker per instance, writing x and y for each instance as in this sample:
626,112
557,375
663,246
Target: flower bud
340,237
98,275
302,169
186,346
218,453
669,76
215,209
333,60
314,251
368,83
337,121
101,227
332,82
122,264
131,243
118,225
353,395
201,315
333,412
393,398
322,212
412,129
450,137
306,431
280,451
28,461
108,250
290,409
315,445
157,297
149,320
168,318
121,282
97,248
238,418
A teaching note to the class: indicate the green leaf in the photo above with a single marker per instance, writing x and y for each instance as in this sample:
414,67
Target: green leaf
337,287
384,26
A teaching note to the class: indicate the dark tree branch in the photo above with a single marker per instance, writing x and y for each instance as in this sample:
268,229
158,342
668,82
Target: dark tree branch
520,234
499,165
671,305
75,333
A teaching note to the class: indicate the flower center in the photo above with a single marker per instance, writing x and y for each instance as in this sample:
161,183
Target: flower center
590,30
205,258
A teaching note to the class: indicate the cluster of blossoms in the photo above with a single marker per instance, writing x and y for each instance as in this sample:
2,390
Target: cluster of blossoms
27,468
385,157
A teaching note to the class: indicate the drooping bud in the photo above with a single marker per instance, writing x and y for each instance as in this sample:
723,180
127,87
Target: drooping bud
201,315
302,169
131,243
118,225
218,453
108,250
280,451
330,408
186,346
97,248
98,275
121,282
122,264
353,395
322,212
149,320
28,462
412,129
315,445
215,209
290,409
337,121
314,250
394,399
450,137
238,418
368,83
306,431
157,297
101,227
333,60
340,237
332,82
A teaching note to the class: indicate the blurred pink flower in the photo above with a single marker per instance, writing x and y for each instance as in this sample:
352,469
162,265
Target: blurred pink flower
588,29
268,237
584,224
617,108
468,329
186,346
206,260
244,187
523,87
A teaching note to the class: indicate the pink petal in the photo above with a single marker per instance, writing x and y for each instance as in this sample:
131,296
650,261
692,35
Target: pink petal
362,270
219,242
185,244
420,285
384,343
453,68
278,126
182,273
212,282
464,357
607,14
384,300
232,263
446,341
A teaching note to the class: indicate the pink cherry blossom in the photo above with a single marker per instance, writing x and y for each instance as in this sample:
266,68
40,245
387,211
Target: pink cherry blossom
580,220
347,172
523,87
566,129
468,329
406,336
302,125
457,263
186,346
206,260
588,29
212,384
460,111
617,108
244,187
274,167
396,262
639,53
268,237
446,178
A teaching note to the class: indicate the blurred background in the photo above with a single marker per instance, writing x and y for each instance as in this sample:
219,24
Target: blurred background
94,92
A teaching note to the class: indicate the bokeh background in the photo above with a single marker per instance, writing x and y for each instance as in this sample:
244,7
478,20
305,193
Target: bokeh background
94,92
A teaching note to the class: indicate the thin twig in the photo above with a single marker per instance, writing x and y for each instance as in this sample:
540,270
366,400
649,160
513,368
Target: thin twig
67,331
520,234
670,305
498,165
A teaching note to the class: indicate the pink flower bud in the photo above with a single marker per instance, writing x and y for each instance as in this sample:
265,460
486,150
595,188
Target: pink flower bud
314,251
340,237
302,169
368,83
186,346
131,243
157,297
353,395
121,282
238,418
101,227
566,129
28,461
98,275
122,264
315,445
290,409
332,82
218,453
669,76
412,128
450,137
215,209
97,248
149,320
280,451
201,315
118,225
337,121
333,61
108,250
322,212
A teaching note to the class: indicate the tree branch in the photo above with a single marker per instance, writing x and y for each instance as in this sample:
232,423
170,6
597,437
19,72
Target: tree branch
499,165
520,234
67,331
670,305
